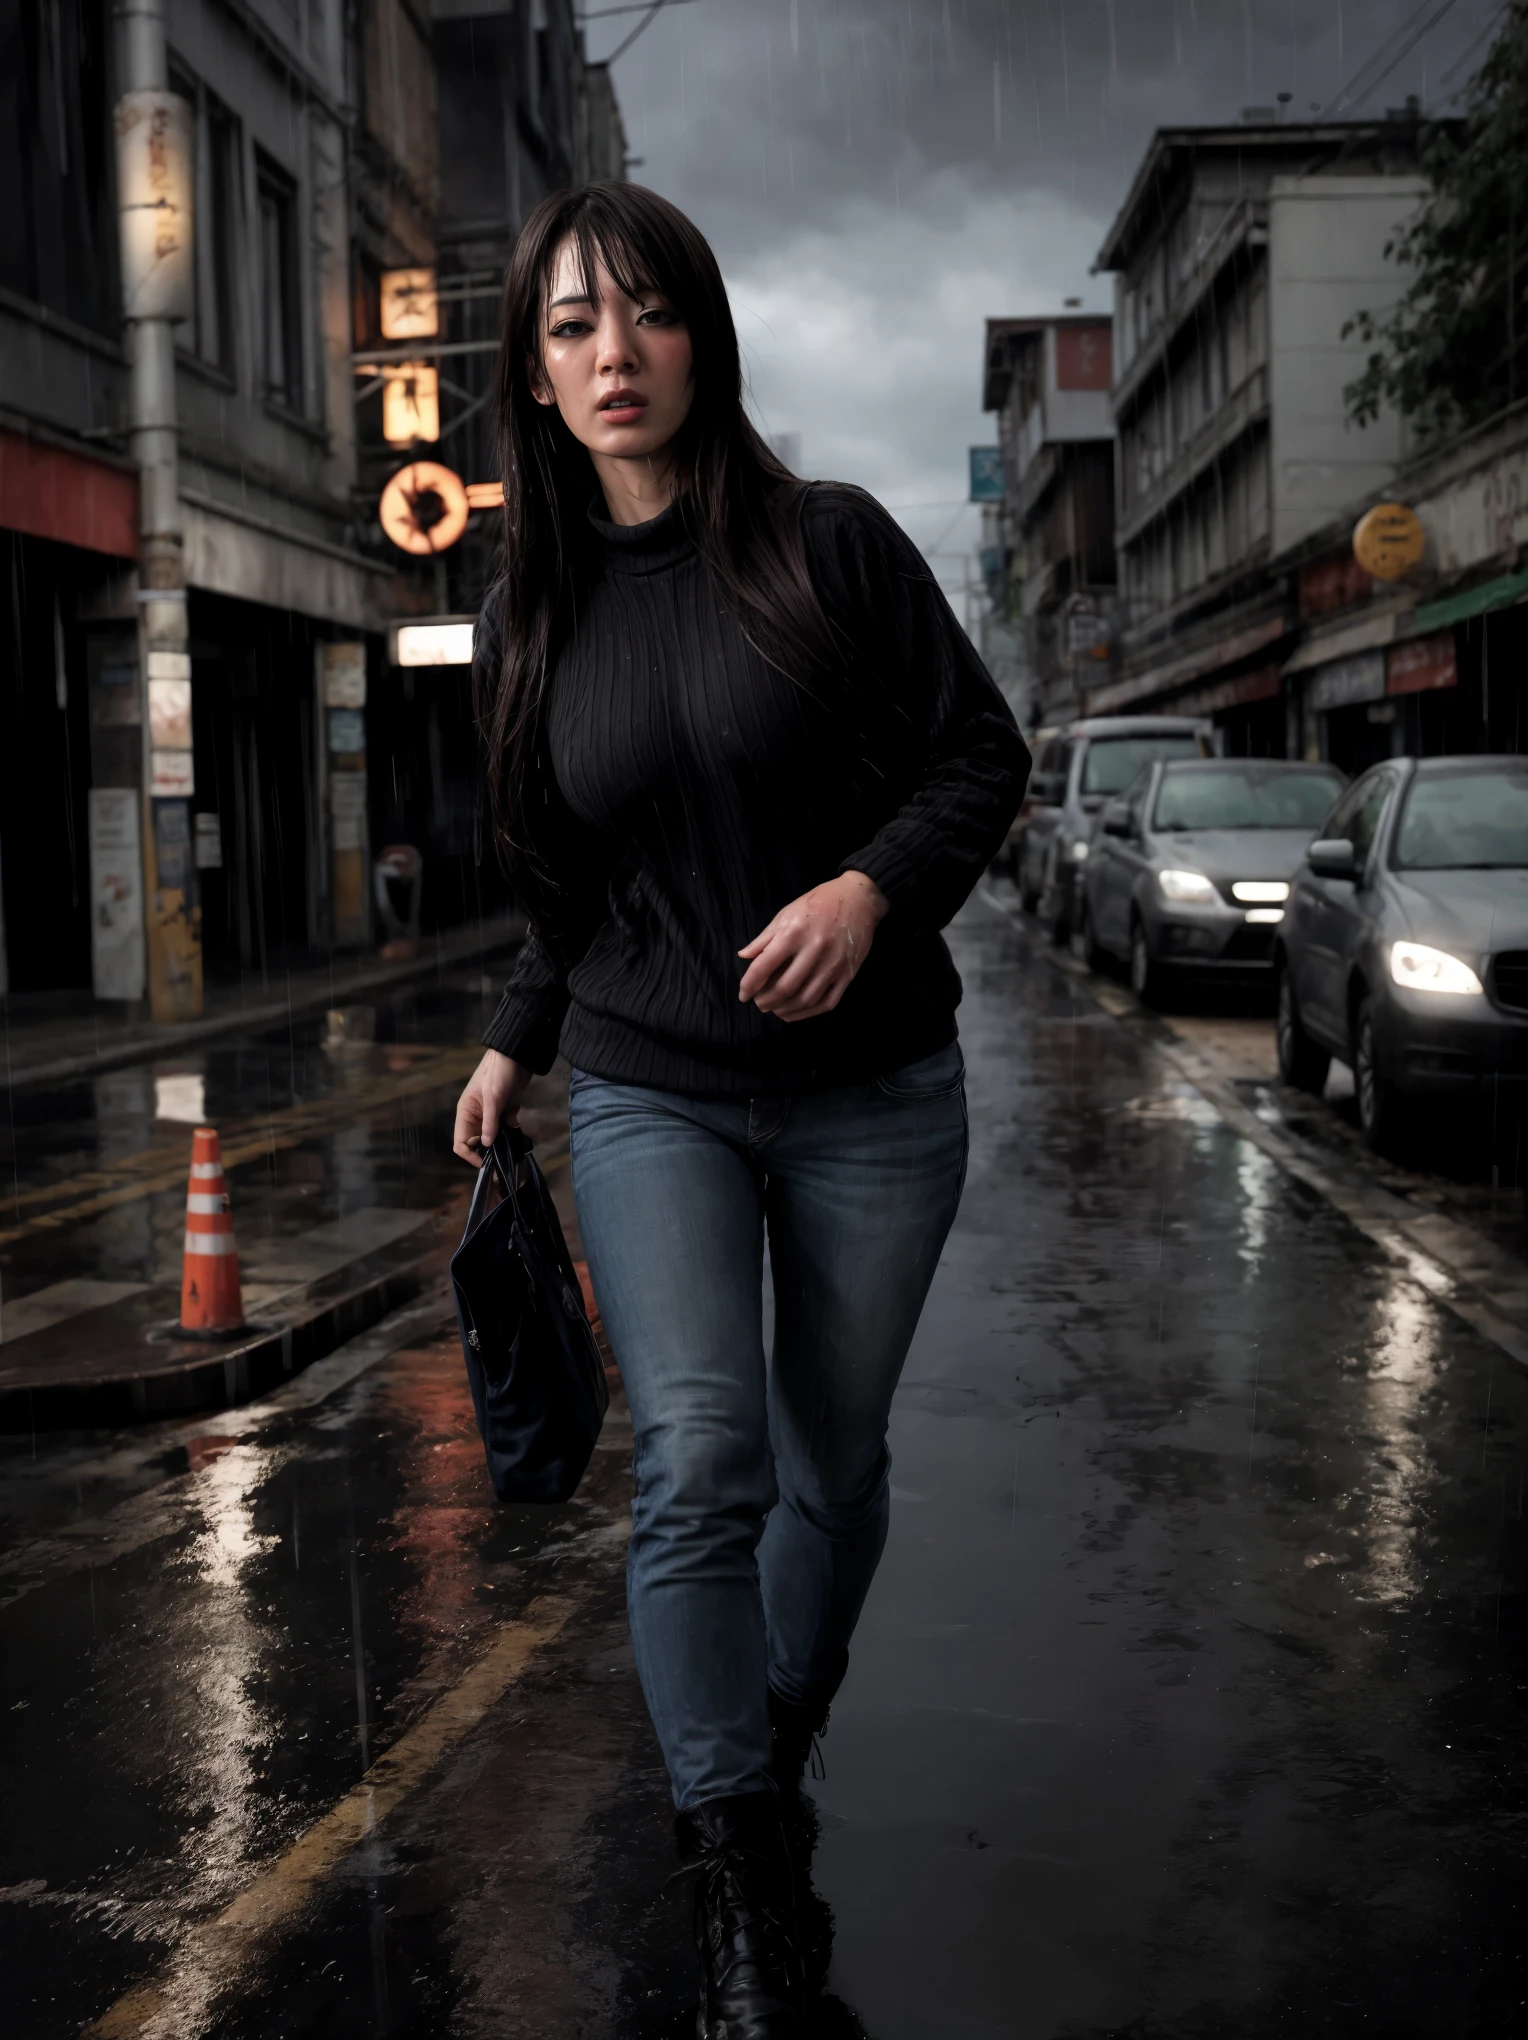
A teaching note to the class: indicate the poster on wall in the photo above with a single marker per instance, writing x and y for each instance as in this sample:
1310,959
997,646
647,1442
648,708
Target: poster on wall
344,675
349,894
116,894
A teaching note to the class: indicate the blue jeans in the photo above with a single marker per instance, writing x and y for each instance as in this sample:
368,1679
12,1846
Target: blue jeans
761,1502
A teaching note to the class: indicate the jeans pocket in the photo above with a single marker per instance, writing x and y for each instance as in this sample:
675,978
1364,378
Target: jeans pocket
940,1075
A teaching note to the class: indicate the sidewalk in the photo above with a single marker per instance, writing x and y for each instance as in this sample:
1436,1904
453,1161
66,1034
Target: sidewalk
42,1044
85,1352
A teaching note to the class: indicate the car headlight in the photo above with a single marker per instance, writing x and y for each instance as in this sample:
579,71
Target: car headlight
1187,888
1422,969
1261,892
1079,852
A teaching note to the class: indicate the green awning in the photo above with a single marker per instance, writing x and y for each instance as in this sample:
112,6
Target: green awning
1472,602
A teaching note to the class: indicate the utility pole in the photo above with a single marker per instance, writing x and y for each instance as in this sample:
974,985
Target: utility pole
154,178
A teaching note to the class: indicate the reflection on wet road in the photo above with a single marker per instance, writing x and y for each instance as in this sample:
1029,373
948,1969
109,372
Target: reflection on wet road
1189,1700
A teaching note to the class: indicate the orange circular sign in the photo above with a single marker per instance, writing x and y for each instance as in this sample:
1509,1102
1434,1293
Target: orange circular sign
1388,541
424,507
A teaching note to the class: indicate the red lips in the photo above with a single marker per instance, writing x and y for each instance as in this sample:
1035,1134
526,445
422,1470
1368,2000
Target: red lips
622,400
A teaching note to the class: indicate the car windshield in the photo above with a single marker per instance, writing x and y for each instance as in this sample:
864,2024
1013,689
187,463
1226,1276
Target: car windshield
1465,821
1112,762
1227,799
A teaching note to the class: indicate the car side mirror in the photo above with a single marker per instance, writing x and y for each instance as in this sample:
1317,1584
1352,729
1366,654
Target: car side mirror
1331,857
1117,818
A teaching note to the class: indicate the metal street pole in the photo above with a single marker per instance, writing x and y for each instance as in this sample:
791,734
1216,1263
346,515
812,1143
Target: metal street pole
154,176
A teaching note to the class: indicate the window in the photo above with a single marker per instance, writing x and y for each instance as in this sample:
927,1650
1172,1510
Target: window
1356,817
58,228
1112,763
208,334
1225,797
1049,784
280,352
1474,819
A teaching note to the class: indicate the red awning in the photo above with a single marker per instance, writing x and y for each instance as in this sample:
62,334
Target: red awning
51,493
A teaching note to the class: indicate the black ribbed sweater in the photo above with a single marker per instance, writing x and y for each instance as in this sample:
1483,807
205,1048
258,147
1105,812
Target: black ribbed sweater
687,790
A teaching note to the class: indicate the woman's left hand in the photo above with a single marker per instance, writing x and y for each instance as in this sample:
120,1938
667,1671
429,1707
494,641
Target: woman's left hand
806,958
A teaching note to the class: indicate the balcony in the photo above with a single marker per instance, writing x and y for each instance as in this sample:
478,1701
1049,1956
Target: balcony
1245,408
1244,227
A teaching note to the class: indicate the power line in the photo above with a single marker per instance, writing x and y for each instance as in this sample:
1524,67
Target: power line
632,7
645,23
1469,50
1411,31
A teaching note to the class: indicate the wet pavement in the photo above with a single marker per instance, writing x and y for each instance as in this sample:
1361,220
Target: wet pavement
1189,1700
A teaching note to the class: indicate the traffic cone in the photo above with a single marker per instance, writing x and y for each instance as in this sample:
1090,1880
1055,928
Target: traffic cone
209,1283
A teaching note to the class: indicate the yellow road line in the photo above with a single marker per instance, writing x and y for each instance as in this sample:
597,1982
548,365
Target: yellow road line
153,1170
176,2001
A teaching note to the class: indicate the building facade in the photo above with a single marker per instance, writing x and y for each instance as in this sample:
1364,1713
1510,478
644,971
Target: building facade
1432,661
1050,558
1240,254
314,166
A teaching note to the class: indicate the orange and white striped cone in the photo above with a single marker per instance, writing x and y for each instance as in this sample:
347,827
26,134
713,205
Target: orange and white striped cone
209,1283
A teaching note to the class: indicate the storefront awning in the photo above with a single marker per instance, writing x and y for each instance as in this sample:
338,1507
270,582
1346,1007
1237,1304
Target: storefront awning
51,492
1459,608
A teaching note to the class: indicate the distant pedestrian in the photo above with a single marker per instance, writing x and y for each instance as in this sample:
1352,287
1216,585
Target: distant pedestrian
745,765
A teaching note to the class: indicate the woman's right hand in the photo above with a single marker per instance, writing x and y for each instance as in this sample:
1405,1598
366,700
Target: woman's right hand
490,1101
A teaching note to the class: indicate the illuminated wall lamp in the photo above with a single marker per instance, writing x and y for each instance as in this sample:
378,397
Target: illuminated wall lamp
409,305
410,404
442,641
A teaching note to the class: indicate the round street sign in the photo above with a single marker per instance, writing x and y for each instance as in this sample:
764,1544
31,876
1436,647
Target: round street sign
424,507
1388,541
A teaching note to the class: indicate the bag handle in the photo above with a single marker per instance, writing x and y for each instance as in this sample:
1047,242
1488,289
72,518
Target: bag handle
509,1149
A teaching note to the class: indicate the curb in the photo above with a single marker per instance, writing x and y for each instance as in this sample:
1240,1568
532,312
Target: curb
256,1019
193,1375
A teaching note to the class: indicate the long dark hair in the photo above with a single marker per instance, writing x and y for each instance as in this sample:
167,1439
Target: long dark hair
741,504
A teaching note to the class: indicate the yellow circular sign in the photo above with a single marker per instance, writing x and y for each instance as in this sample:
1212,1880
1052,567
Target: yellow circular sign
424,507
1388,541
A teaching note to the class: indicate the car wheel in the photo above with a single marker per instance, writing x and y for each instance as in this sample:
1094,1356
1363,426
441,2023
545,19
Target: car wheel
1029,897
1301,1062
1094,955
1148,979
1379,1102
1059,921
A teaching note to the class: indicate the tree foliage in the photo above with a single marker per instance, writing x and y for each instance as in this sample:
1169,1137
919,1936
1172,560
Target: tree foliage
1453,349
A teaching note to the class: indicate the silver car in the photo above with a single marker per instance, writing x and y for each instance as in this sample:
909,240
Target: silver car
1076,770
1190,870
1405,949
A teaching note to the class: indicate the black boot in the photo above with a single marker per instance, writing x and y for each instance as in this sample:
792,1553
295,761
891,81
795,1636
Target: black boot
745,1919
796,1730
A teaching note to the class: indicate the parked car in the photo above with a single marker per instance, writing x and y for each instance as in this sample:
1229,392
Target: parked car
1190,869
1076,770
1404,950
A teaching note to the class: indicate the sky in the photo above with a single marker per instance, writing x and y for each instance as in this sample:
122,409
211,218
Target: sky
879,177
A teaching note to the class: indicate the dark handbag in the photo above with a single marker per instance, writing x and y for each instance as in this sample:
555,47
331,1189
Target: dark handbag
538,1383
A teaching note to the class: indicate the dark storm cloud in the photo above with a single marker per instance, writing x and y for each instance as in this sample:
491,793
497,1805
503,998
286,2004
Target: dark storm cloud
779,111
879,175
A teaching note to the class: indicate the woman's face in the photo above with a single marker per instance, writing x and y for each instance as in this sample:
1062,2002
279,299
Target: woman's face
618,369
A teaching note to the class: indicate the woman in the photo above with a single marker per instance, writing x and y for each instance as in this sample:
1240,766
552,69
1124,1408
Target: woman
745,766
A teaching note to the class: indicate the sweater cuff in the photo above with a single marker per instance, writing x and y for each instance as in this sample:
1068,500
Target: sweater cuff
525,1030
889,867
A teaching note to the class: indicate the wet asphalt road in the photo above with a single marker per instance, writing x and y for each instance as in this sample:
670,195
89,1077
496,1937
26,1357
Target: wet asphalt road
1189,1700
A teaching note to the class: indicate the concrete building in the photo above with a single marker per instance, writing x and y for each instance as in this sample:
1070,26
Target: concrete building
1433,661
1240,253
314,166
1048,381
520,113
